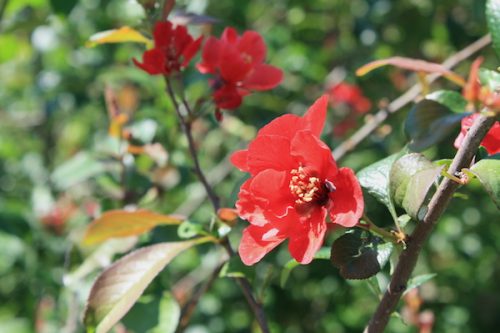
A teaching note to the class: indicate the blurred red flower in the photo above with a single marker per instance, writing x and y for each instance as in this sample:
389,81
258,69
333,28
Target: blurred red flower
173,49
238,65
294,184
491,141
345,93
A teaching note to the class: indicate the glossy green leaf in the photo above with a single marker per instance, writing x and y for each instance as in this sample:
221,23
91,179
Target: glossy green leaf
493,19
488,172
454,101
375,180
118,287
358,256
489,78
411,178
78,169
418,280
430,122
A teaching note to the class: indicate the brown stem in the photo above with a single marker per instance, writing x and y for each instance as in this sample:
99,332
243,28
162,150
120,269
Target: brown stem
439,202
188,308
245,286
186,128
405,99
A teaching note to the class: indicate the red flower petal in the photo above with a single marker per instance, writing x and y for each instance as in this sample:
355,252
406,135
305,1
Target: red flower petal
227,97
209,56
263,77
257,242
307,236
191,50
229,35
314,154
153,62
265,198
491,141
252,44
270,152
348,204
233,67
239,159
162,34
316,115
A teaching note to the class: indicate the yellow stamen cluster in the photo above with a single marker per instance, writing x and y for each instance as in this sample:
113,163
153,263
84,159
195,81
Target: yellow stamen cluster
305,188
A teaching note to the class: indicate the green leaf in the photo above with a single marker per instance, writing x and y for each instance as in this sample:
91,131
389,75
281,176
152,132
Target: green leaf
169,315
411,178
418,280
359,257
493,19
78,169
63,6
323,253
489,78
430,122
454,101
119,286
488,172
375,180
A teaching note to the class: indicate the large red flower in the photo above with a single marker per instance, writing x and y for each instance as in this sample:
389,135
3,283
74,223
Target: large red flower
294,185
173,49
238,65
491,141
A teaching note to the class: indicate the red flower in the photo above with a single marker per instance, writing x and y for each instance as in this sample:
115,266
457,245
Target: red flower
294,184
491,141
173,50
238,65
345,93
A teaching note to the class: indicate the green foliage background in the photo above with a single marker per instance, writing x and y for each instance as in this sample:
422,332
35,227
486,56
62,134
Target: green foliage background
52,106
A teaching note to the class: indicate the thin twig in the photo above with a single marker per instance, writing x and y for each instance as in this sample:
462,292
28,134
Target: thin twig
189,307
439,202
405,99
245,286
186,128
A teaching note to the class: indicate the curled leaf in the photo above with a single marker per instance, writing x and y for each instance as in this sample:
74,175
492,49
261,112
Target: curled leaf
122,223
415,65
121,35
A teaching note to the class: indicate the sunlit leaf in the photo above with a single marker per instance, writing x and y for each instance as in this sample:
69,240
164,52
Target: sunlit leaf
418,280
454,101
122,223
119,286
411,177
487,171
489,78
121,35
415,65
493,19
79,168
375,180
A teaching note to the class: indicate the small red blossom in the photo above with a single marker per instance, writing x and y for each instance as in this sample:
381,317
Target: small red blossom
237,62
173,49
491,141
478,95
294,185
345,93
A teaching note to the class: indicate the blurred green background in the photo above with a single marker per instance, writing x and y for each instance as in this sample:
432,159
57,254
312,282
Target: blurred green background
52,109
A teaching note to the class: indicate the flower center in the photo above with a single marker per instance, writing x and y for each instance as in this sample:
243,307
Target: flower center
304,187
